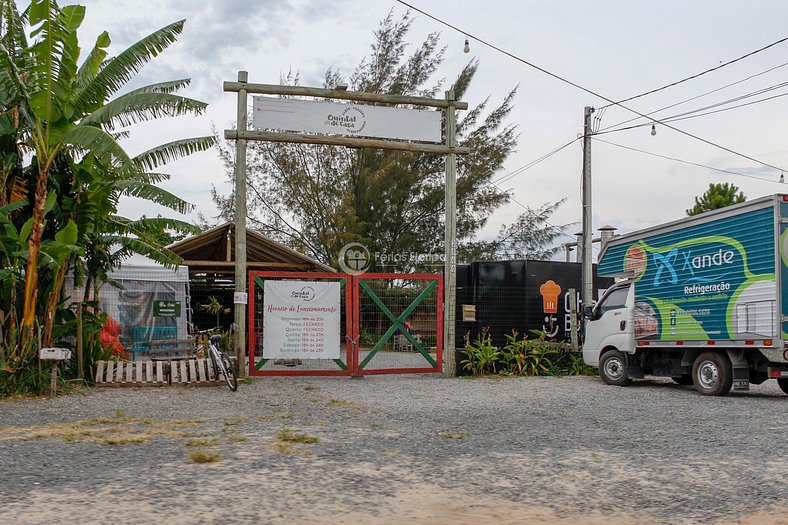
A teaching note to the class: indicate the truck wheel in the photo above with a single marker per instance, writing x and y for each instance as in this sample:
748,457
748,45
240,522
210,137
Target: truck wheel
712,374
683,379
613,368
783,382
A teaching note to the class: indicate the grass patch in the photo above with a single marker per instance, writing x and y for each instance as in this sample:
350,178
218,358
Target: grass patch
287,435
377,425
202,442
204,456
120,430
234,438
452,435
288,449
123,440
311,388
345,404
232,421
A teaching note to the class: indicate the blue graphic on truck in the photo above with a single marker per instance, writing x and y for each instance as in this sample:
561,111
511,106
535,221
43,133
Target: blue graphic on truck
709,281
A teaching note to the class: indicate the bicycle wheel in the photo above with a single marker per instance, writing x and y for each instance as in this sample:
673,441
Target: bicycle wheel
215,363
229,372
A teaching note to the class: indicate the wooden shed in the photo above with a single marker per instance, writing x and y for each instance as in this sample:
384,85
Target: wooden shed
210,257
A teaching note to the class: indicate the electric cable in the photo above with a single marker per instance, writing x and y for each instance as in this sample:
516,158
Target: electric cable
689,115
591,92
764,48
602,110
686,161
521,169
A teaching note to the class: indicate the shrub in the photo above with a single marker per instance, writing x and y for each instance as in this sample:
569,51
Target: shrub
481,355
529,357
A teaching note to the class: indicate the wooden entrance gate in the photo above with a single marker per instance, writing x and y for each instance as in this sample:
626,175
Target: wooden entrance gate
389,324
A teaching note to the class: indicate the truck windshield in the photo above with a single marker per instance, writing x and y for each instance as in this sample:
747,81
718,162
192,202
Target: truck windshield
613,301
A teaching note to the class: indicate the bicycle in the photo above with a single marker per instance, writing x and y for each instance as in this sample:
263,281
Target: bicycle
220,361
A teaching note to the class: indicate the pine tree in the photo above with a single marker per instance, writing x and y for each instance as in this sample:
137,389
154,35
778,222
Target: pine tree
719,195
319,198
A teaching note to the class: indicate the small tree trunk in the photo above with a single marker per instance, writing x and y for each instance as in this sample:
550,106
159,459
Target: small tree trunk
34,251
54,300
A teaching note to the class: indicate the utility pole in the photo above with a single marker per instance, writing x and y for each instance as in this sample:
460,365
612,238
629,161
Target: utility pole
240,230
450,264
588,290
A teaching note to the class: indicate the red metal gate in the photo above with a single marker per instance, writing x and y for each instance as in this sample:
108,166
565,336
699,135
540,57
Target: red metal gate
389,324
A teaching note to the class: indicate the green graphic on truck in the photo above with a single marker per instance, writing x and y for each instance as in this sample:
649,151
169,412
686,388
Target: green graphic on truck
712,281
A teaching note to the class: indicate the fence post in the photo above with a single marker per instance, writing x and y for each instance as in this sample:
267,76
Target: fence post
573,319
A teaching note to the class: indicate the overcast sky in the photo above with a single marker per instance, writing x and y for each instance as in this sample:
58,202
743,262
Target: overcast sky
614,48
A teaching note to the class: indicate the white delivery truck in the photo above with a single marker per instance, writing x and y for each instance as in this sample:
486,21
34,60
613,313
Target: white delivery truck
703,300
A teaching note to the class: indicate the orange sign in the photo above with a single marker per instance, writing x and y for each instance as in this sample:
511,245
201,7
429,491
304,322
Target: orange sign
550,291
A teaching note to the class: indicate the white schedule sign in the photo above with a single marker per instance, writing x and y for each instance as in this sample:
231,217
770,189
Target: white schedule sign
359,120
301,319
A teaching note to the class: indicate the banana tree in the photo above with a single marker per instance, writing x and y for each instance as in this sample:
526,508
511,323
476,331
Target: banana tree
53,107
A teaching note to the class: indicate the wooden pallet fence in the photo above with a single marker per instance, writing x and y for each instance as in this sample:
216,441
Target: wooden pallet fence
197,370
137,373
156,373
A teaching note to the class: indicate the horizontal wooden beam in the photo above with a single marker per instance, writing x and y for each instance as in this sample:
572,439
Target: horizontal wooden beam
350,142
275,89
231,264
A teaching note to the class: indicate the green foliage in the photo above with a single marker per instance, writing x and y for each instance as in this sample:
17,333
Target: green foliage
63,171
573,365
429,341
529,357
716,197
215,307
535,356
366,337
481,356
531,236
24,380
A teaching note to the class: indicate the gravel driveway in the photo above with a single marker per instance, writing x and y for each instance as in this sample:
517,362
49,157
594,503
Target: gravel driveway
397,449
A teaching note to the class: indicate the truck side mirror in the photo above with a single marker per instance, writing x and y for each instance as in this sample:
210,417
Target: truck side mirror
588,312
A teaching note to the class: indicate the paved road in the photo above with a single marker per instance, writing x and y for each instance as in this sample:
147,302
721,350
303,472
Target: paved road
399,449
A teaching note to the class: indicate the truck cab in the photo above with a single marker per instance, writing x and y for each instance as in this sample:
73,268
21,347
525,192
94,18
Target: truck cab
609,324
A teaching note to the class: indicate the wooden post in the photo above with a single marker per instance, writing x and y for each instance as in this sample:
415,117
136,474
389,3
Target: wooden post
450,264
573,319
80,370
240,228
53,380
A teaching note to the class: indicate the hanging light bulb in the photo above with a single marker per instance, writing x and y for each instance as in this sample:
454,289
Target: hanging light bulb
653,130
782,178
467,48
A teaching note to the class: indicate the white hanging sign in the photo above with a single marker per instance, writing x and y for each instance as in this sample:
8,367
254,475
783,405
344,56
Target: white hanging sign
301,320
361,120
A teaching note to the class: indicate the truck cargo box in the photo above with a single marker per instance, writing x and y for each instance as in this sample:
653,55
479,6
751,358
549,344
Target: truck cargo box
718,276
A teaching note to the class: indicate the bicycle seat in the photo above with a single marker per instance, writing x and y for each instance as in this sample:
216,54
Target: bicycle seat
215,339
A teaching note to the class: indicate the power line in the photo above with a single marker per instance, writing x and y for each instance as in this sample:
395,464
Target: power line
601,111
703,72
684,161
587,90
691,114
521,169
